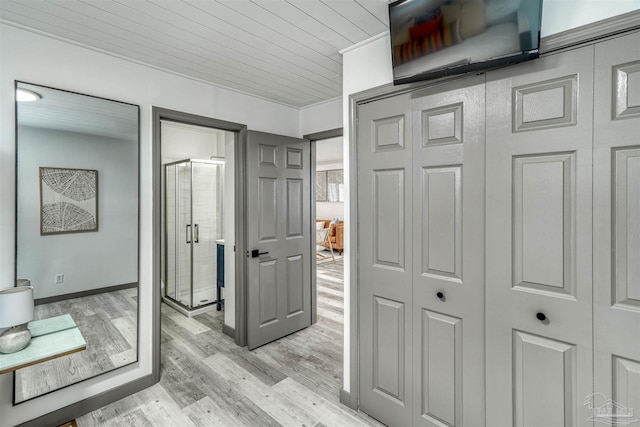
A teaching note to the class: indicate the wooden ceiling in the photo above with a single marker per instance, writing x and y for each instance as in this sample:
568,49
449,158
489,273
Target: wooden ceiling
282,50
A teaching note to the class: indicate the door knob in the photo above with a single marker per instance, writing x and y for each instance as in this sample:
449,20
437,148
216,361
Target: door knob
440,295
541,317
256,253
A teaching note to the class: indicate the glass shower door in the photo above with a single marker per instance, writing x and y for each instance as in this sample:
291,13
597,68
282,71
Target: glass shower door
206,193
193,206
185,234
179,233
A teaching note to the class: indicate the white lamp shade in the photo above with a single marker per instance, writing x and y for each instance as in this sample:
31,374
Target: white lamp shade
16,306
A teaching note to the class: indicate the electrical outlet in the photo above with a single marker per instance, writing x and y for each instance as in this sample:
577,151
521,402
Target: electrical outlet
59,278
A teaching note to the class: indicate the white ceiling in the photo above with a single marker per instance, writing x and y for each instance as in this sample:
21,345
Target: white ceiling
282,50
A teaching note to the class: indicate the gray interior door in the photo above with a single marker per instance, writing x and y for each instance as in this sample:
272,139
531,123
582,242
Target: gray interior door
279,229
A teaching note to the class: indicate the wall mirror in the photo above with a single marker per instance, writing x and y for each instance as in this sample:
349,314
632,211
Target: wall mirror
77,222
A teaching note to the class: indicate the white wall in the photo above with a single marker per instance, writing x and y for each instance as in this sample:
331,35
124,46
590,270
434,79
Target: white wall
37,59
320,117
181,141
562,15
91,260
367,65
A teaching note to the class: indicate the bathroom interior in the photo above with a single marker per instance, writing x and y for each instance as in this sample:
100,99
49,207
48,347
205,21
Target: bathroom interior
197,217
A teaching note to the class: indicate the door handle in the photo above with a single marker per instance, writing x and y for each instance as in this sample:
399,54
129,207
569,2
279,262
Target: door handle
188,233
256,253
197,233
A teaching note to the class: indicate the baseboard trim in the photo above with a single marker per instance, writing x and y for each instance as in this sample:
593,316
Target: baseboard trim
229,331
85,406
80,294
345,399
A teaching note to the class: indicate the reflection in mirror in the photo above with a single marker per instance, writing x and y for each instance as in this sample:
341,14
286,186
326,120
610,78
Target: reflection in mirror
77,228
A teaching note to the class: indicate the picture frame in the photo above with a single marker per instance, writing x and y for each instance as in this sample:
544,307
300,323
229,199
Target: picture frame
321,186
335,185
330,185
68,200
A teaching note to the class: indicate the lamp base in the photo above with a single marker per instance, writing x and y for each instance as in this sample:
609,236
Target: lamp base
15,339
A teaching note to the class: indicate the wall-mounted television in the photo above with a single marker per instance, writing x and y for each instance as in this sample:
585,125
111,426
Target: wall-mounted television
436,38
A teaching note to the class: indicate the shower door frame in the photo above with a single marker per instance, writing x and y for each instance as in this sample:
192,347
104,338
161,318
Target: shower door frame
191,161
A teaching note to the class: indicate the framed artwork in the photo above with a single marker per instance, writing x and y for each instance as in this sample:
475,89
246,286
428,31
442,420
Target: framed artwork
68,200
321,186
335,185
330,186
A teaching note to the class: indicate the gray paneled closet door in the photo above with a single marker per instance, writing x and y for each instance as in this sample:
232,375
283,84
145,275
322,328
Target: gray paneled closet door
421,263
448,254
616,226
539,241
385,261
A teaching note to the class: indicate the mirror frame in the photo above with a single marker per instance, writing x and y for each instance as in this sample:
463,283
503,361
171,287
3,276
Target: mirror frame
17,83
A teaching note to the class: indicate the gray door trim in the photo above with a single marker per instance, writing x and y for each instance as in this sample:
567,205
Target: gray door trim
313,138
326,134
84,406
240,154
570,39
312,233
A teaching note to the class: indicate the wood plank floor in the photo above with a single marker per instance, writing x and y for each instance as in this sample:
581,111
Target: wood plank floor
208,381
108,322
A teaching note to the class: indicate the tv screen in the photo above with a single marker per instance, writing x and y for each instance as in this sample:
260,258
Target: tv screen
436,38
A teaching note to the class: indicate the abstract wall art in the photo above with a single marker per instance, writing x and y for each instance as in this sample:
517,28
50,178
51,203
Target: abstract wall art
321,186
68,200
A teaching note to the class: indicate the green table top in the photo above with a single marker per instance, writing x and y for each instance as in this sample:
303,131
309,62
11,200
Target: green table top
51,338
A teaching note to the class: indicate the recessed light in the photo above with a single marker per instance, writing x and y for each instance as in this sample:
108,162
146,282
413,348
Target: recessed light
24,95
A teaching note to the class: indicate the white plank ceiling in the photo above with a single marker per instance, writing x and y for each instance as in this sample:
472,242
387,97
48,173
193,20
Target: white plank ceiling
281,50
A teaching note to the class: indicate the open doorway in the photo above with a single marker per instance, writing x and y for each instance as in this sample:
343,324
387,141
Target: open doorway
329,214
329,199
198,166
197,216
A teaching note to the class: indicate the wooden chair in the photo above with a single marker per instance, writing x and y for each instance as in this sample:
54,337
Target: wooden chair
322,239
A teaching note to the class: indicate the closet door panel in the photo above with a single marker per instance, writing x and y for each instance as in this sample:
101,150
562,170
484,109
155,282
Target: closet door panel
539,239
448,258
616,216
385,264
544,378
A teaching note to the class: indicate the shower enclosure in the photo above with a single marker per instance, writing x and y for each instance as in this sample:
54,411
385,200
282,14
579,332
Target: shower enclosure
193,223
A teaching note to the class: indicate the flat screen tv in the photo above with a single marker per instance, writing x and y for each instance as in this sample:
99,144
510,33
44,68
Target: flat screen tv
436,38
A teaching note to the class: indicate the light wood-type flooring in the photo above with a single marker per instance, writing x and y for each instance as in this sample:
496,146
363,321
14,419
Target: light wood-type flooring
206,380
109,324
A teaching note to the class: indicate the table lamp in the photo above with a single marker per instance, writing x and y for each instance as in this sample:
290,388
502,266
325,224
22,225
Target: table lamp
16,310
